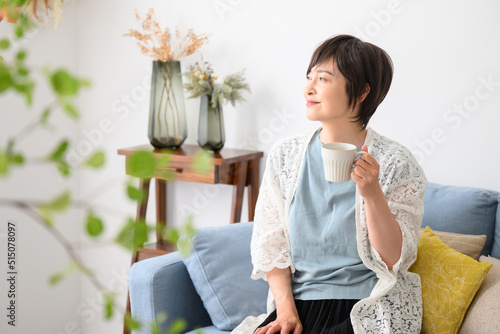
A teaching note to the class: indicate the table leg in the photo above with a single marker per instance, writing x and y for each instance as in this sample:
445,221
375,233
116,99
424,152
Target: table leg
238,192
161,210
253,187
141,209
140,216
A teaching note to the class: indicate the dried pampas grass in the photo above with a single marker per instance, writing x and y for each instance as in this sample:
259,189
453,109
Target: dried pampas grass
155,41
43,11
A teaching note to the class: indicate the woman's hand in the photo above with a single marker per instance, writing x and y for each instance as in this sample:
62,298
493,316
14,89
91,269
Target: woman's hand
365,174
285,323
384,232
287,318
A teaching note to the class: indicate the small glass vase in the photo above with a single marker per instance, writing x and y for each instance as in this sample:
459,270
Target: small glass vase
167,113
211,132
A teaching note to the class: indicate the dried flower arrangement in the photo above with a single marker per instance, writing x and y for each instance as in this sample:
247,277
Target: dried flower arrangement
202,82
41,11
155,41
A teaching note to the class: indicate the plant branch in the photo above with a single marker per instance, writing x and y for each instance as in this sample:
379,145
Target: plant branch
100,189
87,205
28,129
63,241
76,202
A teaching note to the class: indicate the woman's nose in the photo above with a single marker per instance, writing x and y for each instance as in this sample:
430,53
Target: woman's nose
310,90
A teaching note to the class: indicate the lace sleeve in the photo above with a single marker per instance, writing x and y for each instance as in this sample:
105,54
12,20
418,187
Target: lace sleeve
269,246
405,188
406,203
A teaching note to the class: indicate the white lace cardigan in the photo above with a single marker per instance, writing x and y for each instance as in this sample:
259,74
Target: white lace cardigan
395,303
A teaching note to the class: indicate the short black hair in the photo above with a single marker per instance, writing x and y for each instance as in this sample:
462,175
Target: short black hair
360,63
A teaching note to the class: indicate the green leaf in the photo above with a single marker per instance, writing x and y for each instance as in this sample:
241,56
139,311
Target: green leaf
134,193
47,215
177,327
84,270
60,203
58,153
19,31
17,159
4,43
4,163
71,110
56,278
23,71
141,234
18,3
10,146
57,156
94,225
133,234
57,205
187,232
141,164
159,320
26,89
155,329
202,162
63,83
45,116
59,276
21,55
5,78
85,83
96,160
23,22
171,235
130,323
63,168
108,305
29,97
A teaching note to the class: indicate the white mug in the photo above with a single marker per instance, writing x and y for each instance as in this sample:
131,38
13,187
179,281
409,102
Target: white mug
338,160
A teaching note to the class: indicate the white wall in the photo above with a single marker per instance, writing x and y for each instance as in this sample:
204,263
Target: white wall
40,308
442,52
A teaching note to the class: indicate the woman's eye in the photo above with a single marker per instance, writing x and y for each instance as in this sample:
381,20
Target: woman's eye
320,78
307,77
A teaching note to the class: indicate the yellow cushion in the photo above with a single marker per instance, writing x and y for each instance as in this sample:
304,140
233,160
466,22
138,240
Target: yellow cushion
450,280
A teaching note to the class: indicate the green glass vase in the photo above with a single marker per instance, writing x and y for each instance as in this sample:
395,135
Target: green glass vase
211,132
167,112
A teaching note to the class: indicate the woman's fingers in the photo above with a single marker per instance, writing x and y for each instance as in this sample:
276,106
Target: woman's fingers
282,327
263,330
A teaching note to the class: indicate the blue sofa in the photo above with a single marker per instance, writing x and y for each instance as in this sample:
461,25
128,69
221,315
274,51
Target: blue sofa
218,270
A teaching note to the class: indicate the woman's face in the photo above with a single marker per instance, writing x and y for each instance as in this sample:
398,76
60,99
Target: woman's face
325,94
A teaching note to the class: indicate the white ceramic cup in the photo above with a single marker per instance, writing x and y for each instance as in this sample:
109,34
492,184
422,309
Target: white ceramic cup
338,160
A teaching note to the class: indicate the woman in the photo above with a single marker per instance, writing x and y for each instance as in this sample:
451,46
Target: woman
336,255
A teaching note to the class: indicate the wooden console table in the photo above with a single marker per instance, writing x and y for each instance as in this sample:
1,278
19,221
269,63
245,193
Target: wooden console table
236,167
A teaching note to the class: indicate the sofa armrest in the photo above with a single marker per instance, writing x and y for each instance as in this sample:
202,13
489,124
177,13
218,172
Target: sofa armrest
162,284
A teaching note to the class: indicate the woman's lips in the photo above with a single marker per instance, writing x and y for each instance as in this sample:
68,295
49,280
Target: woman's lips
311,103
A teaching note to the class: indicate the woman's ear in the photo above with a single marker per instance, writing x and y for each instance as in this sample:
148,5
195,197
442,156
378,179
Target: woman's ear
365,94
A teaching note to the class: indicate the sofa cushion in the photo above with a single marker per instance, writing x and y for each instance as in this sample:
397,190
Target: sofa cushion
449,279
461,210
482,316
161,285
495,251
220,267
468,244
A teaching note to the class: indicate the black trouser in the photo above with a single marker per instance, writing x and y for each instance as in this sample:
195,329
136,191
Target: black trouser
327,316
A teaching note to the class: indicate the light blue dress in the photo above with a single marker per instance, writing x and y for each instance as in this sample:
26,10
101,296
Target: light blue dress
323,236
